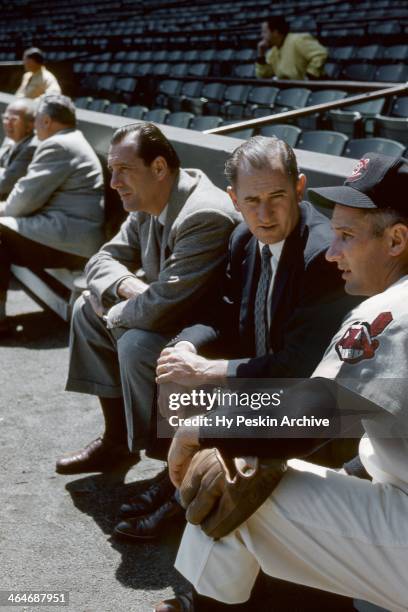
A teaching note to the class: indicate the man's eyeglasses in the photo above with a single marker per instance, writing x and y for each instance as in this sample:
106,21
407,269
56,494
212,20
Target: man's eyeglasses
6,117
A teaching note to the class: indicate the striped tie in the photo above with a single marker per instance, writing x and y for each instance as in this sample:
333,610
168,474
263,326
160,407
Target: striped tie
261,298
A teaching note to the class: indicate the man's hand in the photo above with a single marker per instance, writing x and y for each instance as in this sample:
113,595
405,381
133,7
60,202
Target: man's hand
180,365
184,446
262,47
131,287
95,302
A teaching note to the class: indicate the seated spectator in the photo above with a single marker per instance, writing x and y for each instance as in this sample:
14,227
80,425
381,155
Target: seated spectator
287,55
54,214
176,233
37,80
19,145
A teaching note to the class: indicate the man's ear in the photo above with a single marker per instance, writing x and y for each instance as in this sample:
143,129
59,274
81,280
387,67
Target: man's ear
160,167
233,196
397,239
300,187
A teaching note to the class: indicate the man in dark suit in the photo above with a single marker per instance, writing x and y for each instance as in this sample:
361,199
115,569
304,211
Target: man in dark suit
19,145
282,300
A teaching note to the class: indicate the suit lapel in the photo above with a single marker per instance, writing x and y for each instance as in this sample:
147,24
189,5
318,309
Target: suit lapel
250,275
182,189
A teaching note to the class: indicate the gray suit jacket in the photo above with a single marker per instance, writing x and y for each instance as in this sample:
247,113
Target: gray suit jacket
15,161
59,202
200,218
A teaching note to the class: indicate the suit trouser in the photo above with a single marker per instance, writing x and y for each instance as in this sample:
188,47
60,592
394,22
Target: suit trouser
319,528
19,250
115,363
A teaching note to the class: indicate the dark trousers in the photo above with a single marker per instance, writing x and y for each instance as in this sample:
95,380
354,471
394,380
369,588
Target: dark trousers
16,249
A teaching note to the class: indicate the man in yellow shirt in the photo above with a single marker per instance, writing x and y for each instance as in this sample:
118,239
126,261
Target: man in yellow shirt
286,55
37,80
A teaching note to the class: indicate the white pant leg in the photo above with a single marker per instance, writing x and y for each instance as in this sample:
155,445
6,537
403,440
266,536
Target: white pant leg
318,528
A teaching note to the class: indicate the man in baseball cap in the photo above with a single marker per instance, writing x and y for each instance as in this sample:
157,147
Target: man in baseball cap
321,527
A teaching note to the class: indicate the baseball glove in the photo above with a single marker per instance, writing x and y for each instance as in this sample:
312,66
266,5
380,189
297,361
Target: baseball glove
219,496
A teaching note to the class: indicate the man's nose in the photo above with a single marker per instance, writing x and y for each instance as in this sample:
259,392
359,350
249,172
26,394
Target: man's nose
265,212
333,253
114,181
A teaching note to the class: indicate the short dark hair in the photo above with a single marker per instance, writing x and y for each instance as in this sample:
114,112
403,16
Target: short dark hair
35,53
383,218
278,22
58,107
258,152
151,143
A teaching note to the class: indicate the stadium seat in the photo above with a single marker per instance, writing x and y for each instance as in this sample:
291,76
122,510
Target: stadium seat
357,120
341,54
394,128
359,72
368,53
235,98
157,115
83,102
260,98
400,107
99,105
116,108
126,88
291,98
244,134
358,147
244,71
332,70
205,122
320,96
136,112
286,132
179,70
211,92
199,70
160,69
322,141
189,90
180,119
168,88
396,53
392,73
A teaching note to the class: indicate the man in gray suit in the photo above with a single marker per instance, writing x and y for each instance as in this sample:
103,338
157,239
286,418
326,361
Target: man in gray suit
54,214
177,233
19,145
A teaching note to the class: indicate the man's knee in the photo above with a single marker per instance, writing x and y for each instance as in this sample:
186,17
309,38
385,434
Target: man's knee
139,345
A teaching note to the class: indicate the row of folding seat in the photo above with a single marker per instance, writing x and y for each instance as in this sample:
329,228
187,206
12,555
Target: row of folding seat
321,141
364,119
369,53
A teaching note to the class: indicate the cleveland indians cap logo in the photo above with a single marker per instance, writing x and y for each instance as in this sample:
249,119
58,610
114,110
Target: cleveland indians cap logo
359,169
359,342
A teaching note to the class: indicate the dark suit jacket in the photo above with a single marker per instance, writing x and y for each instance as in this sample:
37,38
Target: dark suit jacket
308,304
17,158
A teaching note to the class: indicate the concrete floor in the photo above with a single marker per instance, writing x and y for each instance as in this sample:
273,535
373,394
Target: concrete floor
55,531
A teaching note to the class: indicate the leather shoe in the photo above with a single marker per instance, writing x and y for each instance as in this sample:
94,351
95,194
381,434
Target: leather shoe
181,603
150,526
159,491
100,455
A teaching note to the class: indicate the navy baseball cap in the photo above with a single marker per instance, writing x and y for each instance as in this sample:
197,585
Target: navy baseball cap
378,181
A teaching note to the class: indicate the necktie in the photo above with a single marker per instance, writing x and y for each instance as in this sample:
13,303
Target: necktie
261,298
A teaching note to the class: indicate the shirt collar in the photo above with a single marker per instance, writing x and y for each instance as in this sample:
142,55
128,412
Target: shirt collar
163,215
276,249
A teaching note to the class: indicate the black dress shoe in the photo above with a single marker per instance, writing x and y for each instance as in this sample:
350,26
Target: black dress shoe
100,455
180,603
150,499
151,525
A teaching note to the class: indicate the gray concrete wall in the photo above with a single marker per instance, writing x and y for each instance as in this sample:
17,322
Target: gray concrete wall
205,151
